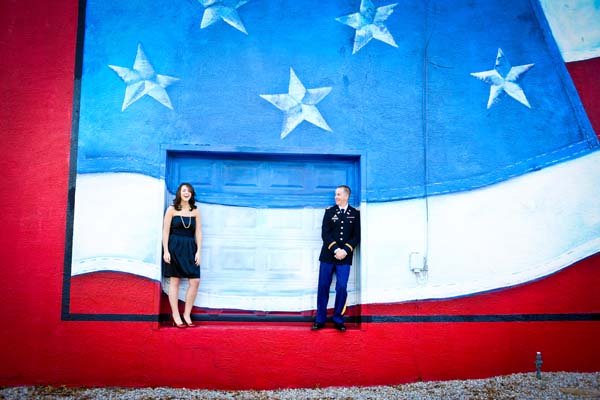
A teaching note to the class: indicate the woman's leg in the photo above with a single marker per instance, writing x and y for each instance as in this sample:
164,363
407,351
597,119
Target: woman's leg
190,297
174,299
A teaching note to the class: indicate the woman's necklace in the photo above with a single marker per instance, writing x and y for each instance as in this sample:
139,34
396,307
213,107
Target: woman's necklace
188,225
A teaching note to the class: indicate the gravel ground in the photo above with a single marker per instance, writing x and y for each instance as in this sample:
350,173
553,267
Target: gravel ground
555,385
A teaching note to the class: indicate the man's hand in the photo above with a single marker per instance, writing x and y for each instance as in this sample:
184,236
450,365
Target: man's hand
340,254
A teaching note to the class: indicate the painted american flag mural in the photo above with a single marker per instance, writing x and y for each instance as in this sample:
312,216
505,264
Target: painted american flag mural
475,164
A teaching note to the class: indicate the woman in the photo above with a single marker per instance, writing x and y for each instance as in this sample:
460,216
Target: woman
182,240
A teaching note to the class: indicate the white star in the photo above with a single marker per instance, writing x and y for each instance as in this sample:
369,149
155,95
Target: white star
368,23
506,83
299,104
142,80
222,9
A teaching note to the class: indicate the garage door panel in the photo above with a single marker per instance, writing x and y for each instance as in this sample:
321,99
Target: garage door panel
262,180
235,258
328,179
285,259
290,177
204,173
216,219
206,261
238,175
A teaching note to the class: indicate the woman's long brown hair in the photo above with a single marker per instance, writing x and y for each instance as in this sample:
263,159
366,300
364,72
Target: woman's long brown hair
177,200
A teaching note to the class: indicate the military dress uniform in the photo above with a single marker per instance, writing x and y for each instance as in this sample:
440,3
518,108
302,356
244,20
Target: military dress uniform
340,230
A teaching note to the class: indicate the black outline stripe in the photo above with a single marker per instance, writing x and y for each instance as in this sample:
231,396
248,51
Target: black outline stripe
66,289
484,318
249,318
571,317
112,317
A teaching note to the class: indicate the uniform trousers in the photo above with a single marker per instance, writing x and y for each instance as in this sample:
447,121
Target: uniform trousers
326,271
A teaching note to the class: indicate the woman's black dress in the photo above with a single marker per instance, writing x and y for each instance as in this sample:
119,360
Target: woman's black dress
182,246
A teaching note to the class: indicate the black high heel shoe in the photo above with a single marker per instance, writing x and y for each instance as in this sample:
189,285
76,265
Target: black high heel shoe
189,324
182,325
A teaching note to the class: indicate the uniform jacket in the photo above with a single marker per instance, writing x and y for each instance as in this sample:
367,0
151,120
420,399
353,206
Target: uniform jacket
340,231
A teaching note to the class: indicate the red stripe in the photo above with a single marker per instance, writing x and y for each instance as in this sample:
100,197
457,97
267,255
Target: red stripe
571,290
586,76
114,293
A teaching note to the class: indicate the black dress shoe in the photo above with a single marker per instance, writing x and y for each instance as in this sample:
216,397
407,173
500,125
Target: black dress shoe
340,327
316,326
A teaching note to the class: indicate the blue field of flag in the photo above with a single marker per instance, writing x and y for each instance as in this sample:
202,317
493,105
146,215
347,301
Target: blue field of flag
438,96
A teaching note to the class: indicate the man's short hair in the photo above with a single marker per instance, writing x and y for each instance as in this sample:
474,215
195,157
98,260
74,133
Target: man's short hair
346,189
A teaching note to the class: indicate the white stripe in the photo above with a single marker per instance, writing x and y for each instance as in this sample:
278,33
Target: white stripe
266,259
117,264
509,233
117,224
575,25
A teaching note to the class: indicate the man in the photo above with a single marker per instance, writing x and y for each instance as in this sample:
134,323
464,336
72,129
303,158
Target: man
340,232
